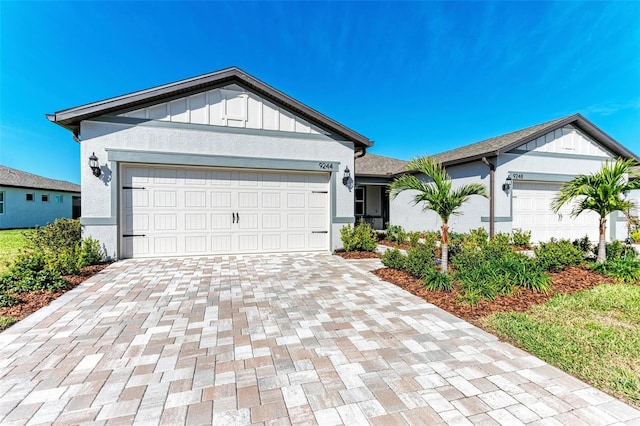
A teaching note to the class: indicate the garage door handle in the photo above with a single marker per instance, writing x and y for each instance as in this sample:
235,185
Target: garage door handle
233,216
237,217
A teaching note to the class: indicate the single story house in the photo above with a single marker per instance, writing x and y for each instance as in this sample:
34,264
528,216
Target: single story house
27,200
522,170
219,163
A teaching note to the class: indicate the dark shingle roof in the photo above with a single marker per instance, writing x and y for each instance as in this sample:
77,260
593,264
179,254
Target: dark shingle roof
377,165
18,178
70,118
509,141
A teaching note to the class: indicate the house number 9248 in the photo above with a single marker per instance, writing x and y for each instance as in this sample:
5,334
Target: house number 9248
326,166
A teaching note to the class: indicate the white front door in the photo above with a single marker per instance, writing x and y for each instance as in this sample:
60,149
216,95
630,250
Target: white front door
532,212
178,211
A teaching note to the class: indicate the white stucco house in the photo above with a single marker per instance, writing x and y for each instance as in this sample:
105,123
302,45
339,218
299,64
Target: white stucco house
219,163
522,170
27,200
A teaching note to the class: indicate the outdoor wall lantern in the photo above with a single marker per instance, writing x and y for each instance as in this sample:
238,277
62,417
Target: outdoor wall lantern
95,166
346,176
506,186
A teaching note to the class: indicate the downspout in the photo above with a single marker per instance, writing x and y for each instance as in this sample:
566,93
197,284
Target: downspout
492,210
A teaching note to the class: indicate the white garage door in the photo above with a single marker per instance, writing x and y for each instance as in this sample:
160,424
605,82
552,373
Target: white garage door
175,211
532,212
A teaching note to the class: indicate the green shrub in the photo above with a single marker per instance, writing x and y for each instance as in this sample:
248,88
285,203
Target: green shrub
626,270
360,238
433,280
583,244
521,238
7,300
479,236
414,238
30,272
556,255
501,239
617,250
90,252
420,261
635,236
396,234
57,237
393,258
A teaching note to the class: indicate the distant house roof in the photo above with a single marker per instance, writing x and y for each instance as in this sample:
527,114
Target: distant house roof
378,166
17,178
501,144
71,118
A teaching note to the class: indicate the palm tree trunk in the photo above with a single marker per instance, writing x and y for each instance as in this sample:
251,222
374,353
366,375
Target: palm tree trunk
602,245
444,249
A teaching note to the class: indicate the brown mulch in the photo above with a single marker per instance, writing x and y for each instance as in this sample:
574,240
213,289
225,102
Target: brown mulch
357,254
33,300
568,281
403,246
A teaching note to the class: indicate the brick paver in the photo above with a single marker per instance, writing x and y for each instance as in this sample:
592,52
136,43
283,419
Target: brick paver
278,339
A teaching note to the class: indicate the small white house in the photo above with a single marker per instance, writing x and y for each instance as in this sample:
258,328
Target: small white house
216,164
522,170
27,200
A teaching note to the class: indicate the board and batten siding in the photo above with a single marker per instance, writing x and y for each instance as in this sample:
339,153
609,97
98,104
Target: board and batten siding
230,106
566,140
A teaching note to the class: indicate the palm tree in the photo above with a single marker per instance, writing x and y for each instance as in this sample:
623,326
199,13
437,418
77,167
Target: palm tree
437,195
602,192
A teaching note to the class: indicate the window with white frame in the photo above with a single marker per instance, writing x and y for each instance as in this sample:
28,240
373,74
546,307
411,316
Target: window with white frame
1,202
45,198
59,199
30,196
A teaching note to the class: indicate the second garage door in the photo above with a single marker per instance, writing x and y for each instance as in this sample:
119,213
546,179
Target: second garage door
532,212
175,211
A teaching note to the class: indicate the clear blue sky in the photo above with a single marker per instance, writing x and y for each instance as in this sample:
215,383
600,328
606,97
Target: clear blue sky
417,78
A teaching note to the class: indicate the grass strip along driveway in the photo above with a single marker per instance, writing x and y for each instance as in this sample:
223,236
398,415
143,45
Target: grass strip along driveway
592,334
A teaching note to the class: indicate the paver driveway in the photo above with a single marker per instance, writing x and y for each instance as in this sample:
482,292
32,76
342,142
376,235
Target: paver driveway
273,339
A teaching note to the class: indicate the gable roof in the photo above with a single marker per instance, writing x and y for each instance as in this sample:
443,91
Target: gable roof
378,166
501,144
70,118
18,178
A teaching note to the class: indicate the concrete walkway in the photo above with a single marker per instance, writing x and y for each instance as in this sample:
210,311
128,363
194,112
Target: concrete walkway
278,339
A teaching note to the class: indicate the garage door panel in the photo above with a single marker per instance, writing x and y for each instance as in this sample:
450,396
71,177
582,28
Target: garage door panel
164,199
247,200
195,199
532,211
195,244
182,211
295,200
220,243
221,199
295,241
195,221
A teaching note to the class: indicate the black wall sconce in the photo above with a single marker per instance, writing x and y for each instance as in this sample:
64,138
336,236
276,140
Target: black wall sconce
346,176
506,186
95,166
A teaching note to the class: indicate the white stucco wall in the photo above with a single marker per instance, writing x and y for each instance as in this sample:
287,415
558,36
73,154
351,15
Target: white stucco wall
20,213
98,136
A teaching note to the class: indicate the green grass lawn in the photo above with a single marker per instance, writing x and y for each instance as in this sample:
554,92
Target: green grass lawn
593,334
12,242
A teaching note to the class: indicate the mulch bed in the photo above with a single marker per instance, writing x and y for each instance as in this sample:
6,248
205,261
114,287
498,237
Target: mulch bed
34,300
570,280
357,254
403,246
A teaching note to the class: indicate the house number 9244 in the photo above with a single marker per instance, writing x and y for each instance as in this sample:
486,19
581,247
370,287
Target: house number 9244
326,166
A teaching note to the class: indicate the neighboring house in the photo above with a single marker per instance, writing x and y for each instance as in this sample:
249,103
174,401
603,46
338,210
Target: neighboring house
220,163
523,170
27,200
